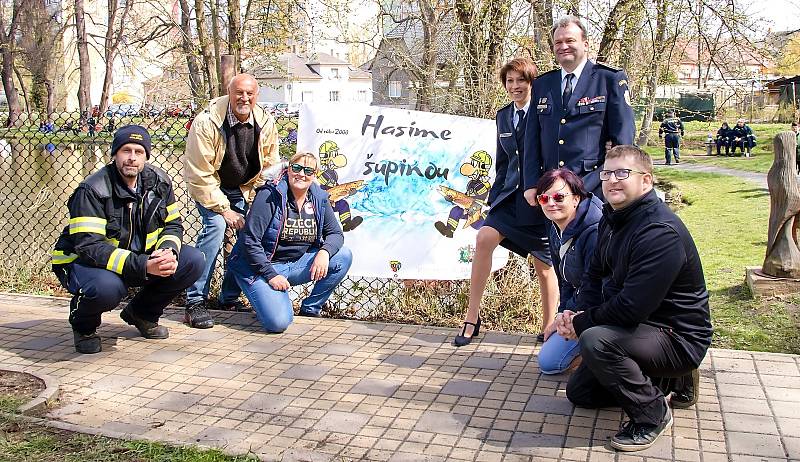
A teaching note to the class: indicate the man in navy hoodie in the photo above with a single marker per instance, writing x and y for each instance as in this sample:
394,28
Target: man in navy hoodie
649,321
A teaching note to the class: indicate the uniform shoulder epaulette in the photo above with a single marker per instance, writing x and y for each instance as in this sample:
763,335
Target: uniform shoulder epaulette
608,67
99,182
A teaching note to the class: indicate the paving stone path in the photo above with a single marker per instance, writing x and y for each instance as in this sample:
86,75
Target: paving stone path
760,178
332,390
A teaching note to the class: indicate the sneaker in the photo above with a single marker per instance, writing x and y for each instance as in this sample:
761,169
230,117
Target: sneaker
686,391
313,314
236,305
637,437
87,344
197,316
148,329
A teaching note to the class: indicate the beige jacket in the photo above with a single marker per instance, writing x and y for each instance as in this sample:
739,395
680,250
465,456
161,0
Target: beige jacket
205,148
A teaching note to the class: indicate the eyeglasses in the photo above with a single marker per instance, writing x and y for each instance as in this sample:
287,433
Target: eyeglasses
296,168
558,197
620,173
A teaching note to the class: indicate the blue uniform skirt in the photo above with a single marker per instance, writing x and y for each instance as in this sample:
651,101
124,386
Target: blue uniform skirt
520,239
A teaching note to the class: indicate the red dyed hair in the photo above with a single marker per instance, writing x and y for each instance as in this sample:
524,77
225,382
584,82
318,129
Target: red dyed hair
524,66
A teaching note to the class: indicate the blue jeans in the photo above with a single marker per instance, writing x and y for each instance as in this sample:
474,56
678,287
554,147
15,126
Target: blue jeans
273,307
209,242
557,353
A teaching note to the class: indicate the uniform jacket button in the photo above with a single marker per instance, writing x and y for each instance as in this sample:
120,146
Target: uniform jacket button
560,141
561,163
563,121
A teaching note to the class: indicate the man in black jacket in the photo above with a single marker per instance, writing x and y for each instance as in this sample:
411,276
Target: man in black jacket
644,307
124,230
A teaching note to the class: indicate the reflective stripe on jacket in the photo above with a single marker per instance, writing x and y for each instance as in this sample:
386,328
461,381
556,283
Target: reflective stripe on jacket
105,220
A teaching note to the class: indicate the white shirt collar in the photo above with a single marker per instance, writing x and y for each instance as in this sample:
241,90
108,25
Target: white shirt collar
515,116
577,73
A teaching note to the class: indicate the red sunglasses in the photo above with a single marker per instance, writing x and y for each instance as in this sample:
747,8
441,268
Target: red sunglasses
558,197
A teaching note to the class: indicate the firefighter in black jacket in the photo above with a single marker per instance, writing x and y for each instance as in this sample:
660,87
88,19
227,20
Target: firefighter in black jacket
124,231
672,130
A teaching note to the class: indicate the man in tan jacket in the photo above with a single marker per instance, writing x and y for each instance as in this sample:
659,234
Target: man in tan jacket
230,143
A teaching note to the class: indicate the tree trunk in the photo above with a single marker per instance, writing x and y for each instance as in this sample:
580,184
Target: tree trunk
428,72
631,28
614,23
542,12
235,33
112,39
655,70
50,105
84,97
209,68
7,69
195,79
216,40
22,87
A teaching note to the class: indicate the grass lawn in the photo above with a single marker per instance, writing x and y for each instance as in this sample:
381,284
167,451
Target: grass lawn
21,441
694,150
728,219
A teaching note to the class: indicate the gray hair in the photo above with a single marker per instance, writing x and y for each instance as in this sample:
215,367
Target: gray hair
566,21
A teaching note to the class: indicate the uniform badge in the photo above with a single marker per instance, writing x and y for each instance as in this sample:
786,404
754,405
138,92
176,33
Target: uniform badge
628,98
543,100
623,82
506,135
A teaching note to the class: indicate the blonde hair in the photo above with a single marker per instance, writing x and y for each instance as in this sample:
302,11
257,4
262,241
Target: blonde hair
304,155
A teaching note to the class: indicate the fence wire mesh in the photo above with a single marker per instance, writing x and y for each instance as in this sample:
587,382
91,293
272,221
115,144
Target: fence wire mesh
42,162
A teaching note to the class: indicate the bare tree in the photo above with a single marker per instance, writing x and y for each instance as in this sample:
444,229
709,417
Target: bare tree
209,67
84,97
195,79
8,33
659,43
115,31
235,33
542,18
40,36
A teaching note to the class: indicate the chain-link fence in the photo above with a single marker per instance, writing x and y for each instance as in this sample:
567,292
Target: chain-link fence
42,162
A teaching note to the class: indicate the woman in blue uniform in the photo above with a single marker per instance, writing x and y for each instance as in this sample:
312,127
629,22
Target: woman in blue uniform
511,222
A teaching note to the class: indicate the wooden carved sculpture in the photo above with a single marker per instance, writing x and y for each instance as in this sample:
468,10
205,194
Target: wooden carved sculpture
783,255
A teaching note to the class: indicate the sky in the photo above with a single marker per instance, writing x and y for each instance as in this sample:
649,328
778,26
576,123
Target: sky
784,14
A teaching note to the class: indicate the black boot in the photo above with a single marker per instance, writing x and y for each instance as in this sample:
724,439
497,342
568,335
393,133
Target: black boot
148,329
87,344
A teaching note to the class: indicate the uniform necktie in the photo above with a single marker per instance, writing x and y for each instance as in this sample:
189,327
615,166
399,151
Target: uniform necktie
520,117
567,91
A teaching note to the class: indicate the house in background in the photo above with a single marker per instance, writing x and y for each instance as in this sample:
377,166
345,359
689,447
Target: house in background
400,56
299,78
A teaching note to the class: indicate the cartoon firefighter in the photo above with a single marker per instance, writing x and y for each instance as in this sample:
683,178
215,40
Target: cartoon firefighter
329,160
468,205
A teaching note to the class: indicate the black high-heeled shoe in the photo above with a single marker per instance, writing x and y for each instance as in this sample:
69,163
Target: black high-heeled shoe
462,339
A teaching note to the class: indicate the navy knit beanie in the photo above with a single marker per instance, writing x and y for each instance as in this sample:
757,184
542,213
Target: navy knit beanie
131,134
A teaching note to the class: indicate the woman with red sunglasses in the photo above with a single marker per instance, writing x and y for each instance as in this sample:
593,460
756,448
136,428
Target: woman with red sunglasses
575,214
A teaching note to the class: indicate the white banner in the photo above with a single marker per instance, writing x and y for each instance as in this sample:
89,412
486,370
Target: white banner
409,187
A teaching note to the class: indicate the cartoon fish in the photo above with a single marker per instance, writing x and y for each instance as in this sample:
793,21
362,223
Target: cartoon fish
473,208
343,190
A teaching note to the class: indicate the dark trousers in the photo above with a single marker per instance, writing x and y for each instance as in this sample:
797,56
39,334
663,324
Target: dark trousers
618,364
744,145
672,144
97,290
721,143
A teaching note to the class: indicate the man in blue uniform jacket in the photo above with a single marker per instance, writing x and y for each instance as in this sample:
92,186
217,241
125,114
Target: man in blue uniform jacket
576,110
